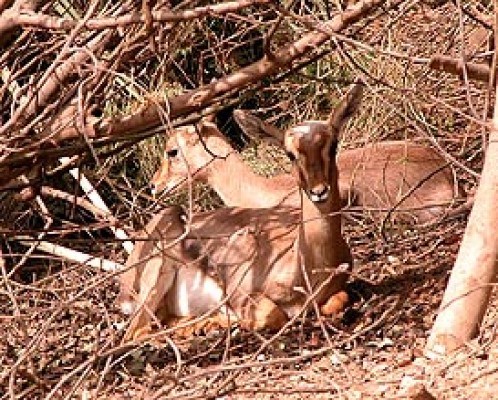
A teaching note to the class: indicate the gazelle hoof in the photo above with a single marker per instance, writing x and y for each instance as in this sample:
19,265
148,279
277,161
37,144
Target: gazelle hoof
204,326
262,313
335,303
132,335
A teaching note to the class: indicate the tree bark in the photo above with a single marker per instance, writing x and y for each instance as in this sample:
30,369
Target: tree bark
471,281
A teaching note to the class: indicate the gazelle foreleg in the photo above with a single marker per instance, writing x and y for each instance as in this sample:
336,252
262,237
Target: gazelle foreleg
156,279
254,309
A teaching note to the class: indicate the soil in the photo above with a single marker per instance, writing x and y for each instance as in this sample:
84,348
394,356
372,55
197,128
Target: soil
63,337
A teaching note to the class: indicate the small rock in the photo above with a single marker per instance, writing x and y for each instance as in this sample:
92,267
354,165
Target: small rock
414,389
337,359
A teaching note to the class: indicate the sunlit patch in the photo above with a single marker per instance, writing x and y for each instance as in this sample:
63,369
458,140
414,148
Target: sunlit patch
302,129
127,307
309,127
183,303
196,293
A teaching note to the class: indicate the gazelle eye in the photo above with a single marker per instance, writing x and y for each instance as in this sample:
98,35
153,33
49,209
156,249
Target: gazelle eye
172,153
291,156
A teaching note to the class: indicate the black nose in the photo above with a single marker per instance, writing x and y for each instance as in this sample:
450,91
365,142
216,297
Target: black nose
320,194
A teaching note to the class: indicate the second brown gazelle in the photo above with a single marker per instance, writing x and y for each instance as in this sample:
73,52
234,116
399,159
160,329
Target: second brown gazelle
376,177
269,264
202,153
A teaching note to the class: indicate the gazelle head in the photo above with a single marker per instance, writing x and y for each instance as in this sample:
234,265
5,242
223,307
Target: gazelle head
186,153
311,145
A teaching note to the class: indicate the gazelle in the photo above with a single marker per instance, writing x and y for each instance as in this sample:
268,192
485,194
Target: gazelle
203,153
375,177
266,262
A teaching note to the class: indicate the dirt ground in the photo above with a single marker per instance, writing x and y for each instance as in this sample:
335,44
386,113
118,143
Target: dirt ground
63,340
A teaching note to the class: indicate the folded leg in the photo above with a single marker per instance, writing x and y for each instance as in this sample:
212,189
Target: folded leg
156,279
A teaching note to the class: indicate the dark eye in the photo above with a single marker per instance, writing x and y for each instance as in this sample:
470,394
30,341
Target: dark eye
172,153
291,156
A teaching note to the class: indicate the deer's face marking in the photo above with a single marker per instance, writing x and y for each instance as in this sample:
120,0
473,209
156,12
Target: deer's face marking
311,146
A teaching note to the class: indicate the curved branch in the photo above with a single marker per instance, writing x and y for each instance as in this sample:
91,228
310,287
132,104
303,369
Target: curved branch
12,18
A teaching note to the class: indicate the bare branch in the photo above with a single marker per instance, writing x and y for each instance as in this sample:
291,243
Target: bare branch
183,104
71,254
11,18
456,66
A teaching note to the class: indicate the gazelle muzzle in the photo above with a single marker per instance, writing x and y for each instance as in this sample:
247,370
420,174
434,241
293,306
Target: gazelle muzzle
319,194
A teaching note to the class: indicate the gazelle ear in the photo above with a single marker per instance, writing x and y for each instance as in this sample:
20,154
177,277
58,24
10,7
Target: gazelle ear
256,128
346,108
207,126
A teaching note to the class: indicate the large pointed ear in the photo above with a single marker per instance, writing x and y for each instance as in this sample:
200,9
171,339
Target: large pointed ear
207,126
256,128
346,108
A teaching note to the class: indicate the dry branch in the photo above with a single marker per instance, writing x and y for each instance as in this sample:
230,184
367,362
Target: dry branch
72,255
150,116
51,83
456,66
11,18
100,204
9,15
96,206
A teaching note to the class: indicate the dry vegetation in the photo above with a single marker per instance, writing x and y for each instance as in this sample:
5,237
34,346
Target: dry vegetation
61,330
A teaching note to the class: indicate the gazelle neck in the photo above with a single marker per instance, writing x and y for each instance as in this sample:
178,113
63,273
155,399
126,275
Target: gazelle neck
325,215
321,232
235,182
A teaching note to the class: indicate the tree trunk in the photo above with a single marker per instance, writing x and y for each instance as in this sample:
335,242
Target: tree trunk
469,287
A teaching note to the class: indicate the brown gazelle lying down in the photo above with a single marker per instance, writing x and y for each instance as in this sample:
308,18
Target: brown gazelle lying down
267,262
374,177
